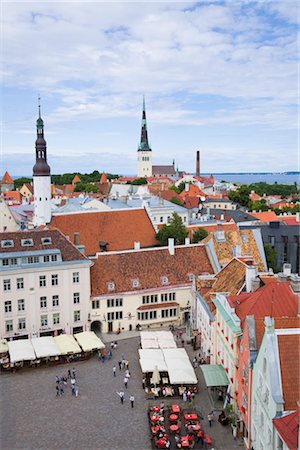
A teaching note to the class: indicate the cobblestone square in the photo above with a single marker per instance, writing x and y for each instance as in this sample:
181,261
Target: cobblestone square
32,417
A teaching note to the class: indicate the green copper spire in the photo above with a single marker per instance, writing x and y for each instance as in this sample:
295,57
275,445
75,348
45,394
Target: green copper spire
39,122
144,144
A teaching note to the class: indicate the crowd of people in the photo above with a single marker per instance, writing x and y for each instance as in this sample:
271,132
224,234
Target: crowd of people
61,383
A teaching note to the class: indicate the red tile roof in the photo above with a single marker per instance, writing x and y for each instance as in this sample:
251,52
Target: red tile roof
290,220
7,179
157,305
268,216
119,228
13,195
148,267
279,323
68,251
289,355
103,178
169,195
254,196
191,202
288,428
76,179
273,299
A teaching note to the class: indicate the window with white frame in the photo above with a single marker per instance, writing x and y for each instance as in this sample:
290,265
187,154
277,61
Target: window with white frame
150,299
75,277
163,297
8,325
56,319
76,316
55,301
22,323
95,304
46,258
76,298
44,320
43,302
21,304
32,259
6,285
8,306
135,283
42,280
114,302
20,283
5,262
13,261
111,286
53,258
164,280
54,280
172,296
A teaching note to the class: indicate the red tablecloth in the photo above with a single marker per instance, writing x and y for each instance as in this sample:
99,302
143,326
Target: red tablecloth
190,416
155,408
175,408
207,439
155,418
173,427
173,417
194,427
155,429
185,441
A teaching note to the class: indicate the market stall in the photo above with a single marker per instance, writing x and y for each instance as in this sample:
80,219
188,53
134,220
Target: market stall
89,341
21,350
45,347
180,369
67,344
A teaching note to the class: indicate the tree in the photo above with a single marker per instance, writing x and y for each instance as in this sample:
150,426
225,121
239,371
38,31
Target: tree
241,196
271,257
139,181
86,187
18,183
175,230
200,234
259,205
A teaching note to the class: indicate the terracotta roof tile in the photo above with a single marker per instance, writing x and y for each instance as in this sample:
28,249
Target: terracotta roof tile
288,428
13,195
289,355
7,179
148,267
268,216
76,179
279,323
119,228
68,251
103,178
290,220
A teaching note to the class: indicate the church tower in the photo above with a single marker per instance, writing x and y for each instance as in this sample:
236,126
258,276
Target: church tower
41,177
144,151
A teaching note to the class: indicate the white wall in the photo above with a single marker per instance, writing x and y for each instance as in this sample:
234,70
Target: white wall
144,164
42,200
7,221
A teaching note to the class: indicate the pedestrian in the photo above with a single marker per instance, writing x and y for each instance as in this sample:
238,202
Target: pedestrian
127,373
209,418
127,364
114,371
112,345
74,373
73,389
122,396
131,398
76,391
120,365
115,345
234,432
125,382
123,362
73,382
184,397
57,379
109,355
69,373
57,390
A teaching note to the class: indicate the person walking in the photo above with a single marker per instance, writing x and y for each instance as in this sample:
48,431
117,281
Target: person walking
120,365
57,390
69,373
209,418
74,373
122,396
131,398
234,432
76,391
125,382
114,371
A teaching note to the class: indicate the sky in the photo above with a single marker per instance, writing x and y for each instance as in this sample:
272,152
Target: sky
218,76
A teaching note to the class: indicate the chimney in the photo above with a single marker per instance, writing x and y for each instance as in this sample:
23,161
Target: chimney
198,163
250,276
186,187
222,217
171,247
187,241
287,269
76,238
137,245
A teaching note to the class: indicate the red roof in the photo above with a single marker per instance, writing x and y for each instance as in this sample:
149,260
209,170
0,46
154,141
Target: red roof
267,216
103,178
290,220
254,196
289,355
273,299
169,194
76,179
119,228
191,202
13,195
211,228
7,179
288,428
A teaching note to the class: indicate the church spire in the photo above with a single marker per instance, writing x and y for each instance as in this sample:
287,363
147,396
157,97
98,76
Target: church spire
41,167
144,144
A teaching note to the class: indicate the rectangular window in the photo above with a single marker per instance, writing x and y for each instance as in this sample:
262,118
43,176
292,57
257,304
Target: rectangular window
95,304
110,316
75,277
43,302
42,280
7,306
53,258
9,326
154,298
146,299
54,280
76,316
56,319
6,285
32,259
76,298
21,305
152,314
172,296
114,302
44,320
163,297
13,261
20,283
119,302
22,324
119,315
5,262
55,301
46,258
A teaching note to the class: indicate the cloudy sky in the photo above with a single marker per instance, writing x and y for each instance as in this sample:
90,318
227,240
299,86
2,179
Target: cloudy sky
218,76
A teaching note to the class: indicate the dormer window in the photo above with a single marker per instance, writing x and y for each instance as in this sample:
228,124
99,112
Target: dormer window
26,242
164,280
7,243
135,283
111,286
191,276
220,236
46,240
245,238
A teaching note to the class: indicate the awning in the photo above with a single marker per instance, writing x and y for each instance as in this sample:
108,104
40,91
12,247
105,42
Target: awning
21,350
45,347
180,369
214,375
88,341
67,344
149,358
3,346
157,339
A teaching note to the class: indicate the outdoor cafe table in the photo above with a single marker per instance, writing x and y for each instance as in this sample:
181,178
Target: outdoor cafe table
155,418
155,408
173,417
194,428
174,427
192,416
207,439
175,408
156,428
185,442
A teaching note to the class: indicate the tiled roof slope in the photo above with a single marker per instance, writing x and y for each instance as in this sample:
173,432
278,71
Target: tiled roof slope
7,179
224,249
279,323
288,428
274,300
120,229
267,216
68,251
289,355
148,267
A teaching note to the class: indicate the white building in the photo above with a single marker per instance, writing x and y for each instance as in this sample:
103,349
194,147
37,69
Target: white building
7,220
44,284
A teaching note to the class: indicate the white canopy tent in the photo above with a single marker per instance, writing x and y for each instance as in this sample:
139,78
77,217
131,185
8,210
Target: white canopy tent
179,366
21,350
157,339
67,344
88,341
149,358
45,347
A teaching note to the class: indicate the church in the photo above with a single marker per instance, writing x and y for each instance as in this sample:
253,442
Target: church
145,167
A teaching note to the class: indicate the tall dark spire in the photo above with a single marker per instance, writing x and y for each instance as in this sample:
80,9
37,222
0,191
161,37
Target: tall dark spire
144,144
41,168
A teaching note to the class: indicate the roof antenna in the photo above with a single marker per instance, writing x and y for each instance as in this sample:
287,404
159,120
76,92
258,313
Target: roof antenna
39,105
